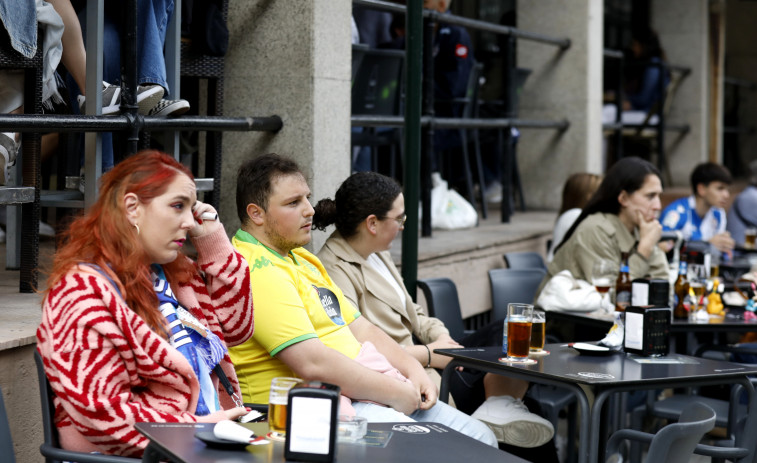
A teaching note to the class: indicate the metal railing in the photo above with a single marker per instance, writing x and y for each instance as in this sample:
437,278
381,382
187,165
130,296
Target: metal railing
420,123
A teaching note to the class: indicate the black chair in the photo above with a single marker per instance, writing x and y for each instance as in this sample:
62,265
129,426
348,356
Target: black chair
527,259
377,91
443,303
50,448
520,285
6,440
675,443
513,285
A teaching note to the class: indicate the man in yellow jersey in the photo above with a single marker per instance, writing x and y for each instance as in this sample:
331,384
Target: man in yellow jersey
305,327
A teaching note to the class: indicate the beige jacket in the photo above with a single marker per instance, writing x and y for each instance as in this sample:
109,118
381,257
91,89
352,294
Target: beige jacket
377,300
603,236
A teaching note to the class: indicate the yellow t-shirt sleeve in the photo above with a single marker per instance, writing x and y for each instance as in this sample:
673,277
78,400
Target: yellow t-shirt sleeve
280,316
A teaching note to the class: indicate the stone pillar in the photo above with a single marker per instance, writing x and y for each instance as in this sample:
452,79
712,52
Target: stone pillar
682,28
291,59
563,84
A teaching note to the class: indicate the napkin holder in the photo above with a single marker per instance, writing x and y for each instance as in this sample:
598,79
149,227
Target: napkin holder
647,331
312,422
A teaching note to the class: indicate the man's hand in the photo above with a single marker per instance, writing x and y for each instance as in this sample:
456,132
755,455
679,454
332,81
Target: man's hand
723,242
406,398
650,232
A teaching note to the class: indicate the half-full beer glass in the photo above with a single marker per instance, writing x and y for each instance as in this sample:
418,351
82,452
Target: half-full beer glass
277,406
538,331
518,330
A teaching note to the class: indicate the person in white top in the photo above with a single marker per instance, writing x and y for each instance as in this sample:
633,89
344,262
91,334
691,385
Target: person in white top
575,194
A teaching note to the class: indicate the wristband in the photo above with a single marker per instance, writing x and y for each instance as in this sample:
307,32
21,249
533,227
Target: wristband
429,356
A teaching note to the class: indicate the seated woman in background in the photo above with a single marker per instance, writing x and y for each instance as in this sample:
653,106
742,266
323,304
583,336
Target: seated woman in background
369,211
133,330
575,194
620,217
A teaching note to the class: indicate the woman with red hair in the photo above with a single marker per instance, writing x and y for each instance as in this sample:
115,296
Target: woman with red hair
133,330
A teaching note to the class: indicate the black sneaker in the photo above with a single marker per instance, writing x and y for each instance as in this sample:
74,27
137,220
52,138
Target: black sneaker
166,108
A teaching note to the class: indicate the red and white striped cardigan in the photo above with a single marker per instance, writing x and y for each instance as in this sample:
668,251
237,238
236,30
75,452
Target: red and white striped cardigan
109,370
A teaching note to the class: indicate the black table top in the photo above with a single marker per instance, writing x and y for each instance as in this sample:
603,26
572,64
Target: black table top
431,442
565,364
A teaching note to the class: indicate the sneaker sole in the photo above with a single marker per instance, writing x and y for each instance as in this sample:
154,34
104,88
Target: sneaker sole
176,109
526,434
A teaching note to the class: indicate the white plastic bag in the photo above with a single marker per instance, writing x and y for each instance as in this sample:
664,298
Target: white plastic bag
449,210
564,292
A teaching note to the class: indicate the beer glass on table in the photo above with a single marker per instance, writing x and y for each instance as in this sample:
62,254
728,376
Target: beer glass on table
750,237
603,274
538,331
277,406
518,330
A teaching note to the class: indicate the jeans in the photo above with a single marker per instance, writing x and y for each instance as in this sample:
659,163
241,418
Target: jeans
439,413
21,23
152,21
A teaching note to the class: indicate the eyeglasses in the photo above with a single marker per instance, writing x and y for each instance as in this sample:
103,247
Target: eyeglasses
400,220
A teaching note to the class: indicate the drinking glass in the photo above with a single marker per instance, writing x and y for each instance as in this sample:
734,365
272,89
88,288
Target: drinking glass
603,274
277,406
538,331
750,236
518,330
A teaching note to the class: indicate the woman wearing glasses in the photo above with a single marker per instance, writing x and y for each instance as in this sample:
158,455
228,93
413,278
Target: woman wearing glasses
369,211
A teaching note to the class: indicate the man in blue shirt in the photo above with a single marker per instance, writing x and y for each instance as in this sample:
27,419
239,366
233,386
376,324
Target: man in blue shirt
701,217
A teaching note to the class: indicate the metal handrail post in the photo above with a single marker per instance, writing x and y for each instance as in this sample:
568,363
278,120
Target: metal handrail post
412,172
429,27
129,73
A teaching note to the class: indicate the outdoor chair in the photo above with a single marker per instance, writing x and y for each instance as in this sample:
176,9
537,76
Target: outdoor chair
377,91
50,448
6,440
443,303
519,285
527,259
675,443
513,285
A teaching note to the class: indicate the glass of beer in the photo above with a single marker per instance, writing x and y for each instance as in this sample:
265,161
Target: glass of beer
603,275
750,237
538,330
519,330
277,406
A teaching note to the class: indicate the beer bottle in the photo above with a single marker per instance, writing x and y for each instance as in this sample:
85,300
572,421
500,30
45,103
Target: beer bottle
681,289
623,285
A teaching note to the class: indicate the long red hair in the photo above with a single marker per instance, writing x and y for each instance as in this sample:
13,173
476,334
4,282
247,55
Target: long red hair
103,235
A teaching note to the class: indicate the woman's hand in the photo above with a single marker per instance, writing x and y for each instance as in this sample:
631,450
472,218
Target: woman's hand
650,232
443,342
220,415
206,219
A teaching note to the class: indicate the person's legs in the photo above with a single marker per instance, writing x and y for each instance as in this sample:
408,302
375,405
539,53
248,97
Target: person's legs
152,21
457,420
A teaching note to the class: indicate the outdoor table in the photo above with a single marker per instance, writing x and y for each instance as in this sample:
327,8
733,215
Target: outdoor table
414,442
599,377
732,322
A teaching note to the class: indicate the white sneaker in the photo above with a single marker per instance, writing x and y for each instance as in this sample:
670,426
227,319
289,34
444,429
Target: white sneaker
147,97
512,423
45,230
8,154
493,193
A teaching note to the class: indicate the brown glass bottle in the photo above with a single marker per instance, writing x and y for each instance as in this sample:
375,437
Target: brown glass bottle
681,289
623,285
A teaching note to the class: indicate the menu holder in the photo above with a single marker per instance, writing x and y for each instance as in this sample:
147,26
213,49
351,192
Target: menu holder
647,331
312,422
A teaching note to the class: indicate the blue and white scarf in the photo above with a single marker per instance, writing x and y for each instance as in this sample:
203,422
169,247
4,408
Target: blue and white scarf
201,347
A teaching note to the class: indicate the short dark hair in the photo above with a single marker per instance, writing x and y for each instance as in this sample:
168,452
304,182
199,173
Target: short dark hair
255,180
708,172
362,194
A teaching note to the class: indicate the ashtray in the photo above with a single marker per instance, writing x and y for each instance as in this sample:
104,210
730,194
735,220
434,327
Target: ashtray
351,428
